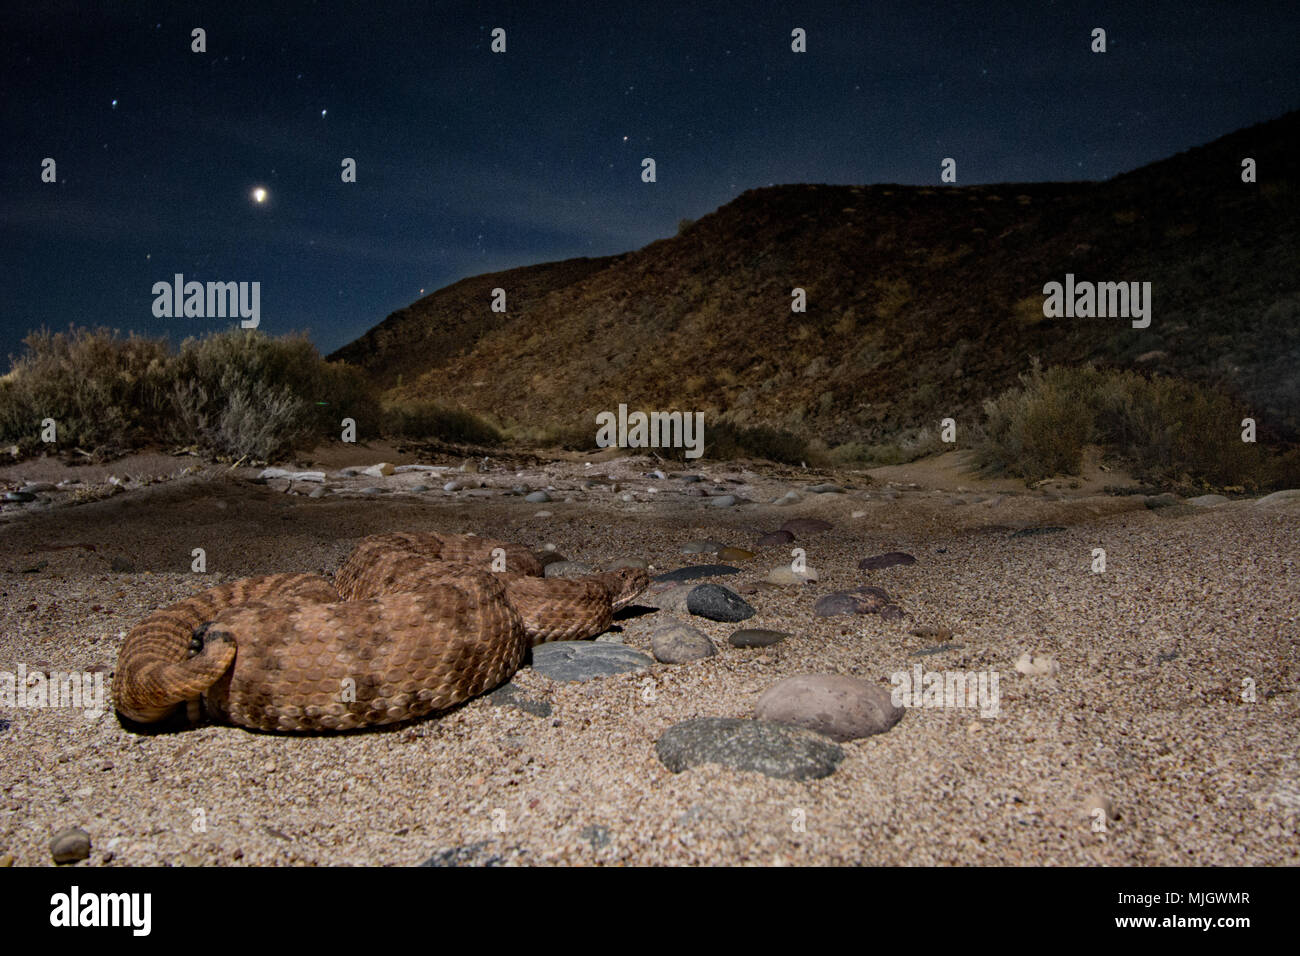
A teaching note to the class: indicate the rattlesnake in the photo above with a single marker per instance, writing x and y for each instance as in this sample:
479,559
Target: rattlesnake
414,622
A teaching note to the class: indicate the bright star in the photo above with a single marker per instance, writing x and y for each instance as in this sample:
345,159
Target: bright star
259,195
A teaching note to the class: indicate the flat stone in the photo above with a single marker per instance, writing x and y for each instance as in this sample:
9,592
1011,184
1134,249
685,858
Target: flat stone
537,497
70,845
675,642
888,560
775,539
452,486
292,475
381,470
372,491
702,547
847,602
723,501
841,707
825,489
735,554
717,603
797,526
566,569
586,660
695,571
772,749
756,637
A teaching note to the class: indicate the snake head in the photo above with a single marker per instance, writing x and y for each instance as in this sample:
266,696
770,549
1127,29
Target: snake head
626,585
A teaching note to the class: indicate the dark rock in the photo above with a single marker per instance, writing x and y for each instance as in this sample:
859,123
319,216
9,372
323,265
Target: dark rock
775,538
848,602
509,695
887,560
696,571
718,604
19,497
776,750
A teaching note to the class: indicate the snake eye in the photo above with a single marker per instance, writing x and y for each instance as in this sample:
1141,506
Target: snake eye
198,637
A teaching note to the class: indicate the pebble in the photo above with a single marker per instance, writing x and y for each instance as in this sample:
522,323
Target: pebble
723,501
566,569
19,497
735,554
756,637
772,749
70,845
320,491
537,497
785,575
629,563
694,571
798,526
717,603
826,489
849,602
789,498
839,706
1040,666
419,489
452,486
702,547
372,491
775,538
675,642
381,470
542,514
887,560
584,660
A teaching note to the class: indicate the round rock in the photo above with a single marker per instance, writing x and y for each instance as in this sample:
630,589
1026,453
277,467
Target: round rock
674,642
537,497
776,750
841,707
71,845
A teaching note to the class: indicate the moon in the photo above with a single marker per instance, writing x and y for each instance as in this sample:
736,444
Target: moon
259,195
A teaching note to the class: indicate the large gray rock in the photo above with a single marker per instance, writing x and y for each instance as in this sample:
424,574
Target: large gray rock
696,571
841,707
717,603
675,642
585,660
777,750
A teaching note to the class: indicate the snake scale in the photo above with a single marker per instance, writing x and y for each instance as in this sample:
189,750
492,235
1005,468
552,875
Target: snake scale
413,622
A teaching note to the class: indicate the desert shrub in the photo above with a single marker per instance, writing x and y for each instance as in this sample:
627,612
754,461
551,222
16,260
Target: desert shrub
724,440
1168,430
429,420
234,393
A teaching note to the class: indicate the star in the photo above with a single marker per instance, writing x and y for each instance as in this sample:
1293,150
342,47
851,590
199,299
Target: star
322,113
259,195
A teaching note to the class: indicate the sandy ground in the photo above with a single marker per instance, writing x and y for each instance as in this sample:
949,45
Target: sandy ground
1146,714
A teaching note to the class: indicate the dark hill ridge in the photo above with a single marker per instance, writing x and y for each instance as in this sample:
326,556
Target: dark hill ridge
922,302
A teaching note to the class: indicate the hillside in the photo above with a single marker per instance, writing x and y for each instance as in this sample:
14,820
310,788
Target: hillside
922,302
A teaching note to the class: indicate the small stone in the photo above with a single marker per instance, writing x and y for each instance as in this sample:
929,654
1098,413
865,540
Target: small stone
784,575
702,547
887,560
537,497
381,470
629,563
825,489
696,571
789,498
509,695
584,660
775,539
320,491
19,497
542,514
735,554
70,845
419,489
372,491
566,569
797,526
723,501
772,749
849,602
841,707
1041,666
452,486
717,603
674,642
756,637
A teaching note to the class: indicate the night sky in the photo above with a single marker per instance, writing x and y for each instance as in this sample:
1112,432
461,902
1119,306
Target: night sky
469,161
